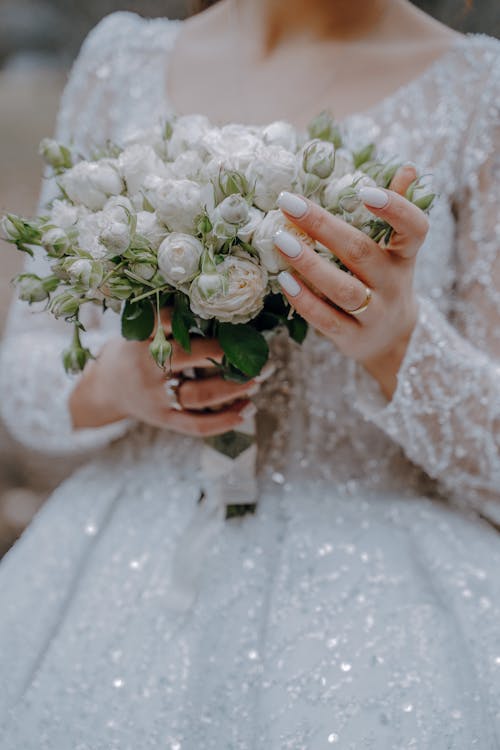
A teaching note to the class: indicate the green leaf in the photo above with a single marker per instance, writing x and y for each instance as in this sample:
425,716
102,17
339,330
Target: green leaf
231,444
244,347
182,320
297,328
267,321
425,202
364,155
138,320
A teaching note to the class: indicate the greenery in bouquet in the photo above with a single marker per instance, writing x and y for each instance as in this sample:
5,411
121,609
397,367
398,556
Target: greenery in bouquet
184,215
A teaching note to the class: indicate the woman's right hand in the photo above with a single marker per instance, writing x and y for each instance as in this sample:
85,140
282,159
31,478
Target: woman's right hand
124,381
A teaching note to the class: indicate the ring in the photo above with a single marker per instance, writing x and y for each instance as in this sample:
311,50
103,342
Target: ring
172,386
365,304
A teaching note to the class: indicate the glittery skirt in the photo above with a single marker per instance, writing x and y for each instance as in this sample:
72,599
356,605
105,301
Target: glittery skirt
323,620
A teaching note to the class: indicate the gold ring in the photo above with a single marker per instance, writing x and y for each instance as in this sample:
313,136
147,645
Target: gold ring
365,304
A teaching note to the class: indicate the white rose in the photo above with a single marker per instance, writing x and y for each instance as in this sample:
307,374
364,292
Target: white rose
225,177
138,162
187,166
234,209
179,257
116,236
263,240
318,158
234,146
56,240
153,137
330,195
178,203
64,214
102,236
334,190
7,229
86,272
89,231
187,134
150,228
237,299
273,169
255,218
221,230
361,215
282,134
53,153
119,208
92,183
344,163
228,216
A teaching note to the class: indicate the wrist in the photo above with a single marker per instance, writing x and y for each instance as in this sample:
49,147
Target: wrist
385,368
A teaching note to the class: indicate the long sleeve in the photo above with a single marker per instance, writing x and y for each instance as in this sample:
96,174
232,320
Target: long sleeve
445,412
33,385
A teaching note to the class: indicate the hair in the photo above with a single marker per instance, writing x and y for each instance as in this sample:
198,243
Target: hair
198,5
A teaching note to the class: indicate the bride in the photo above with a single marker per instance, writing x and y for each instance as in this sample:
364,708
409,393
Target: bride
359,606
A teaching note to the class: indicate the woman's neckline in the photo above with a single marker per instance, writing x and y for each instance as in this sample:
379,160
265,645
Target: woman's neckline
456,45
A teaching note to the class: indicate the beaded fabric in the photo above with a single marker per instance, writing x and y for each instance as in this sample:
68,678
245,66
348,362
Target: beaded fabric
359,607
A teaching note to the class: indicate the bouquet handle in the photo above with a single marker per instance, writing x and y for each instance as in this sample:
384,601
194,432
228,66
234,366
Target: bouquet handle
228,466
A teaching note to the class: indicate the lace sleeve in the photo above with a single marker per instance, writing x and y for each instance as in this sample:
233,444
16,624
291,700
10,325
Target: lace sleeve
445,412
33,384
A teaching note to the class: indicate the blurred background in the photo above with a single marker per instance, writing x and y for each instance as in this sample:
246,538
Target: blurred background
38,41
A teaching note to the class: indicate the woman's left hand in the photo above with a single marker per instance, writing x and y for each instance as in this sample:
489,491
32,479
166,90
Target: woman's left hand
377,336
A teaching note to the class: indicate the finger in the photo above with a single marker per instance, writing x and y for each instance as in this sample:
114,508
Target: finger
356,250
405,175
344,290
333,323
409,222
202,351
214,423
166,319
214,391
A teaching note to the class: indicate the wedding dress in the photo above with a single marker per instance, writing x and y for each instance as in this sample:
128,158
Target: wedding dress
360,606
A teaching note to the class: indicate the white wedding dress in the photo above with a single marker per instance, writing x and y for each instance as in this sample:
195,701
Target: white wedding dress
359,608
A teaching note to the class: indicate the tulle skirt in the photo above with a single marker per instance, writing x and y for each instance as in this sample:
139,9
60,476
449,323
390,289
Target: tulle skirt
323,620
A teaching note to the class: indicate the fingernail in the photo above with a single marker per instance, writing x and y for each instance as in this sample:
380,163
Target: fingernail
248,411
189,372
409,164
253,390
374,197
287,243
289,284
292,204
265,373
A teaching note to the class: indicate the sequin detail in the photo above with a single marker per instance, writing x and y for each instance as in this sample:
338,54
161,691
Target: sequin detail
359,607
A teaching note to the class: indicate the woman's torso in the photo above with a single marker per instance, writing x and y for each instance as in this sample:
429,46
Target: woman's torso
308,423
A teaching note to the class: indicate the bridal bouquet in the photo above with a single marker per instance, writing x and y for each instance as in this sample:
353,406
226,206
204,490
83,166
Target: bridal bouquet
184,215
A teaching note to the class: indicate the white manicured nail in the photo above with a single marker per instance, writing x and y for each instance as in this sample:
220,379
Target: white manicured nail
266,372
292,204
374,197
287,243
289,284
253,390
250,410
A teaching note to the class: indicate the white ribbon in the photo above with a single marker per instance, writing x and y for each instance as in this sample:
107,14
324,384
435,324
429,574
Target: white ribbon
227,481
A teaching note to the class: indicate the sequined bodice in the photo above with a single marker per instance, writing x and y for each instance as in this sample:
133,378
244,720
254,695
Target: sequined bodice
321,417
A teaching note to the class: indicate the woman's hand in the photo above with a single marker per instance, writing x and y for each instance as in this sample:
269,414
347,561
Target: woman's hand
378,336
124,381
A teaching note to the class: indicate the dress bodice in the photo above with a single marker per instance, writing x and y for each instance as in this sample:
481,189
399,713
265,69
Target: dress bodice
321,416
